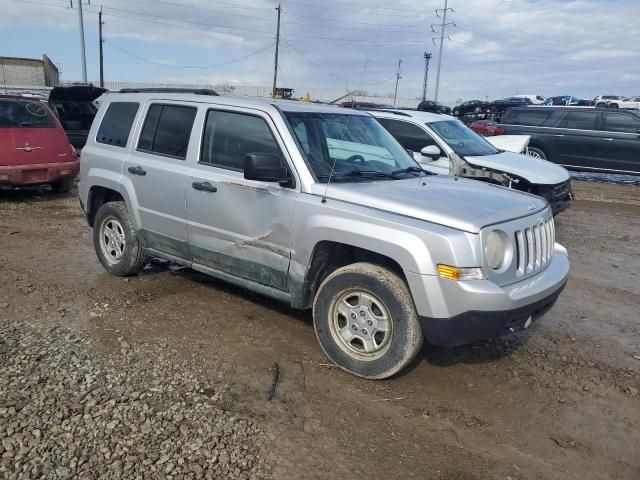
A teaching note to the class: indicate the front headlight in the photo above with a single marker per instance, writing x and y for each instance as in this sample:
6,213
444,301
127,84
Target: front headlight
497,250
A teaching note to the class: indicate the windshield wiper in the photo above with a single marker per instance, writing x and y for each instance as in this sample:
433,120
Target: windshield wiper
360,173
412,169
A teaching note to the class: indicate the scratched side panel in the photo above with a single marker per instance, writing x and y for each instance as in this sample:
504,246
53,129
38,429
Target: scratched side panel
244,228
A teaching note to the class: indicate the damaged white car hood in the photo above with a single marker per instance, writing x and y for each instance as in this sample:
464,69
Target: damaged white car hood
534,170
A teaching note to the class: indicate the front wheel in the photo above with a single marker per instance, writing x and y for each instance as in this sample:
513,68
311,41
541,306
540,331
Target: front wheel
366,322
536,152
116,242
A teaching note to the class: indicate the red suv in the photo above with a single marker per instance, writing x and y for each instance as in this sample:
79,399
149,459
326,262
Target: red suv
34,149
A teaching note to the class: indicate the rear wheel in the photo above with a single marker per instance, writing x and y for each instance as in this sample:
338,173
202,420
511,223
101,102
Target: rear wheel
366,322
536,152
62,186
116,242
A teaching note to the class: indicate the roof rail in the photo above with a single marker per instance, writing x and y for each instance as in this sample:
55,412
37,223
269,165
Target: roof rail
196,91
387,110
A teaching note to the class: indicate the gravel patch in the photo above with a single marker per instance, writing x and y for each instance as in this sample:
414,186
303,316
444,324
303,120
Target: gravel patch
70,411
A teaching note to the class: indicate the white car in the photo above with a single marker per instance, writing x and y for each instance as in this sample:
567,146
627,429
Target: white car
602,100
631,102
444,145
535,99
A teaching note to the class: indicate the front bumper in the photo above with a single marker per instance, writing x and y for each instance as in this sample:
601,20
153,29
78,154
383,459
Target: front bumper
38,173
559,196
454,313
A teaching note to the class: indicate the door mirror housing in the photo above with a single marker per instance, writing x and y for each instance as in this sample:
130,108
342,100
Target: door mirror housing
265,167
431,151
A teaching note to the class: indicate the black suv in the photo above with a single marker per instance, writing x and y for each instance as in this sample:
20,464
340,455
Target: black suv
433,107
588,138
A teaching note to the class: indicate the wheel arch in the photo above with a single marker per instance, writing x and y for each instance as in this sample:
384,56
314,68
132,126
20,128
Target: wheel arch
98,196
329,255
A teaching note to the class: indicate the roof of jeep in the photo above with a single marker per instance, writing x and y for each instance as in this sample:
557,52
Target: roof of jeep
420,117
247,102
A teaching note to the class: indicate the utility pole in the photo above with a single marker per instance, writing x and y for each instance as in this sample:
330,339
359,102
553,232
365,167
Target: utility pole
275,67
100,23
443,26
83,54
427,57
398,77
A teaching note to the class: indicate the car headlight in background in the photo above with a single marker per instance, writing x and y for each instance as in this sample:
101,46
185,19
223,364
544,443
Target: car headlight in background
497,250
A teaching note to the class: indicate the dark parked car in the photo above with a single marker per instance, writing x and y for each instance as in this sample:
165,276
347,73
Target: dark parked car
581,138
433,107
497,108
73,104
470,107
365,105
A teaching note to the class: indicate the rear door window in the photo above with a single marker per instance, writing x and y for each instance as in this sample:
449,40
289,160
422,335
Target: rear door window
621,122
408,135
116,123
167,130
580,120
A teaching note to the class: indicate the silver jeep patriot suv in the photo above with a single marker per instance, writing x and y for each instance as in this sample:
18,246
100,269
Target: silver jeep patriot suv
320,208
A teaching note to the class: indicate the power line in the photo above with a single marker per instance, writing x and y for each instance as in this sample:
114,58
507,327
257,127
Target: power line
320,67
201,67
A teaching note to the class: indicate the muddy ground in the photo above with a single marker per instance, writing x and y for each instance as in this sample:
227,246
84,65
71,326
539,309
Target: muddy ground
559,401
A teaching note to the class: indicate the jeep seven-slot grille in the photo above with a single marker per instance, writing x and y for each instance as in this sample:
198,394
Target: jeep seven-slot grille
534,247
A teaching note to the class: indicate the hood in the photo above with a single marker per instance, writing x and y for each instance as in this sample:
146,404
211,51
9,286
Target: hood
454,202
77,93
534,170
510,143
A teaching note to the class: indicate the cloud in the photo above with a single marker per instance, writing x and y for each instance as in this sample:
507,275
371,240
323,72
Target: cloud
497,48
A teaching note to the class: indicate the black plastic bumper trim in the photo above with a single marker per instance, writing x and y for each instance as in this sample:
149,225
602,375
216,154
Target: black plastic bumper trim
476,325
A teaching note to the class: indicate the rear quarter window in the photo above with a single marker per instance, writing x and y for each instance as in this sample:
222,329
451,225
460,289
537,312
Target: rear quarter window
116,123
533,118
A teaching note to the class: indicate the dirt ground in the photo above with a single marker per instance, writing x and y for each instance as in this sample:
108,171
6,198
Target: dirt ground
559,401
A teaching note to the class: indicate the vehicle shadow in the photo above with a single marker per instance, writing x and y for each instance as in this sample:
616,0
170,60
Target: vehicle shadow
480,352
33,194
157,265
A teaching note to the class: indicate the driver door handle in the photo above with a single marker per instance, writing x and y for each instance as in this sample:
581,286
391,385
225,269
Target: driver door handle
608,139
137,171
204,187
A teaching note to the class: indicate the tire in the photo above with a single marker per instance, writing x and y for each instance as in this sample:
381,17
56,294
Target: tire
613,105
62,186
536,152
600,104
122,255
379,299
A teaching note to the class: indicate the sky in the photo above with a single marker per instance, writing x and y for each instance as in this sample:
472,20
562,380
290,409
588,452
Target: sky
494,49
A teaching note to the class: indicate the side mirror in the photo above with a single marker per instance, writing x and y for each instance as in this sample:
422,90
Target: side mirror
431,151
265,167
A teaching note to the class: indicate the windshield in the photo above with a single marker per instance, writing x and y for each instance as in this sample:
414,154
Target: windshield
18,113
462,140
360,148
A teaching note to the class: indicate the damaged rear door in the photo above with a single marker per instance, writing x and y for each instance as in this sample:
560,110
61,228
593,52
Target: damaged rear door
238,226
